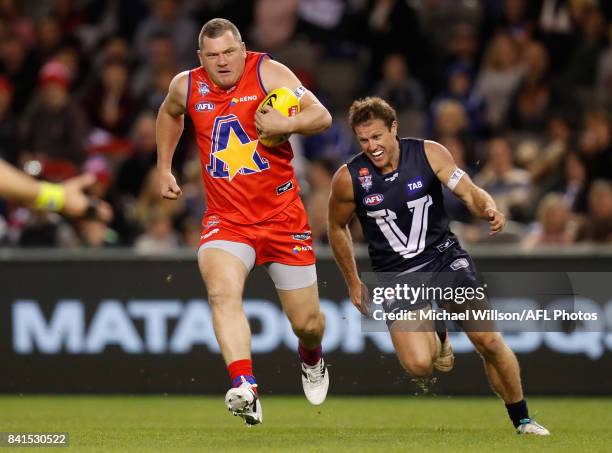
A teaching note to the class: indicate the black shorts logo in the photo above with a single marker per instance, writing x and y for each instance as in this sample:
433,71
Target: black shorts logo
284,188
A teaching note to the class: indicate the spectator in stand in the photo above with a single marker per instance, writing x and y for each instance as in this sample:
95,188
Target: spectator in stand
161,57
391,24
448,21
149,200
516,20
544,156
498,78
70,55
168,18
192,232
459,88
49,38
18,25
463,47
450,120
42,229
274,23
597,226
69,15
556,29
596,144
109,104
132,173
159,236
581,71
509,186
604,73
94,233
555,225
321,20
21,69
194,196
115,48
398,87
153,99
531,102
54,127
8,136
576,184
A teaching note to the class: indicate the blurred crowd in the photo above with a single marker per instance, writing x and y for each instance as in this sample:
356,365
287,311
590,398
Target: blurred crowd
519,91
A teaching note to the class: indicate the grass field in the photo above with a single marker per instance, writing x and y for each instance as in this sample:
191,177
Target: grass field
403,423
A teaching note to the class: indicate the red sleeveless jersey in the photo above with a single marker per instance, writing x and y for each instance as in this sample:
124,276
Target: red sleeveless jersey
245,181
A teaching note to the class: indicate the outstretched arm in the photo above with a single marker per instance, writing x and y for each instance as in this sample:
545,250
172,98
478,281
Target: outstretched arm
478,201
68,198
170,123
340,212
313,117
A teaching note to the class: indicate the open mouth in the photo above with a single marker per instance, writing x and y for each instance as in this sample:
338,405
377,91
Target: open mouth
378,154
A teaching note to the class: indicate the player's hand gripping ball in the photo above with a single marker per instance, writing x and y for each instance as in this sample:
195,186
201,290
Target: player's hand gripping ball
286,102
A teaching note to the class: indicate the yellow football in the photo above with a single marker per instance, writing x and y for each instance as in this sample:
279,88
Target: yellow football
286,102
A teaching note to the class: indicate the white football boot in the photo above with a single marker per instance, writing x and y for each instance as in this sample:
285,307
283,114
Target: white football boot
243,402
529,426
446,358
315,380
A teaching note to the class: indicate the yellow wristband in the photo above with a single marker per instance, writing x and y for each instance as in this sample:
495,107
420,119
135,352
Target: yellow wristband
50,197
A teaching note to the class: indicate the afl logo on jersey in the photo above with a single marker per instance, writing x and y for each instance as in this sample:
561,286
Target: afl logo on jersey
373,199
202,106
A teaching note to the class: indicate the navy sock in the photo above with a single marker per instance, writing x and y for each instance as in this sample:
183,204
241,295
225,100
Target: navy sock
517,412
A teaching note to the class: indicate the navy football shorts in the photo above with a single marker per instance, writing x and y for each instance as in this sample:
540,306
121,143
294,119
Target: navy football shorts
451,271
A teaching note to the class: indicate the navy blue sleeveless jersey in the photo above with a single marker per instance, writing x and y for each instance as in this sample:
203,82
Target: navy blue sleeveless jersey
402,213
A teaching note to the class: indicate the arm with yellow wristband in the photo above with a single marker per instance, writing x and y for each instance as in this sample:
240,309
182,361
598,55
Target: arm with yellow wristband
68,198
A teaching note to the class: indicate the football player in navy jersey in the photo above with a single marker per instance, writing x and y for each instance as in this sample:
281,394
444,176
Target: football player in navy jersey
394,187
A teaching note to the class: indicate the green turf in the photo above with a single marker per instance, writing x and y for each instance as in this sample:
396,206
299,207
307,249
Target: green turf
403,423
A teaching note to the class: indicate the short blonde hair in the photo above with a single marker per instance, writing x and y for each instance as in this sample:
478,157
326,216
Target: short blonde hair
217,27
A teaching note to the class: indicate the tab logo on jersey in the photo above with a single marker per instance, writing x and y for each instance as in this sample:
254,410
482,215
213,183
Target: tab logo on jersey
364,171
373,199
414,185
203,88
366,182
232,150
202,106
459,263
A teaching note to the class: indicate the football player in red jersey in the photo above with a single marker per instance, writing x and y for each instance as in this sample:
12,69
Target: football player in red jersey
254,214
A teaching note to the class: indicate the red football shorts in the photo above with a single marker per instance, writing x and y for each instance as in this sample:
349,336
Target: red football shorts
284,238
